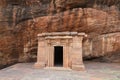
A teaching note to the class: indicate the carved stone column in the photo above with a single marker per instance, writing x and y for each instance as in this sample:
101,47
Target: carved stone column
41,53
51,56
66,57
77,60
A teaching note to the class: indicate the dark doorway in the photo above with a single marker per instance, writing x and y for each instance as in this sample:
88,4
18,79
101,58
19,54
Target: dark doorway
58,56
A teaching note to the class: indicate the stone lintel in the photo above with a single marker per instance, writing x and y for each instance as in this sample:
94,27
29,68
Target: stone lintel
61,34
59,37
81,34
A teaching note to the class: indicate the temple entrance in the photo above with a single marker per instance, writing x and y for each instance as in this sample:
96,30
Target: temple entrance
58,56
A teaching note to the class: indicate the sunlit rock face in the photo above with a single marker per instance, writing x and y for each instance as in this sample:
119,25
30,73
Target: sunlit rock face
102,28
22,20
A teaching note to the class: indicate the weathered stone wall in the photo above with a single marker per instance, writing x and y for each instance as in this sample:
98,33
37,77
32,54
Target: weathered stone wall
103,45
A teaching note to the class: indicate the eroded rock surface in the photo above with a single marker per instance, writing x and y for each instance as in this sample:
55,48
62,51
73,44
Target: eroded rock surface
21,21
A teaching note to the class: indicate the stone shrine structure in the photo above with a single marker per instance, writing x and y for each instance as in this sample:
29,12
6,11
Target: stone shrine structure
60,49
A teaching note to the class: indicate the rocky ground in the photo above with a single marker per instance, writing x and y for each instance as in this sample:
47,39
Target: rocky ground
94,71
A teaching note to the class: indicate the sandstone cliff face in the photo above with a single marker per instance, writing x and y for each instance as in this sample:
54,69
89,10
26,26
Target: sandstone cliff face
13,12
6,36
21,21
101,27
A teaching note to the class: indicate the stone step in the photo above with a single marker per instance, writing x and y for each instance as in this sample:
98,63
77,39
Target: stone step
58,68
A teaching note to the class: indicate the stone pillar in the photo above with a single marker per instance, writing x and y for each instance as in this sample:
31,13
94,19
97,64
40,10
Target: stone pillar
41,53
65,57
77,60
51,56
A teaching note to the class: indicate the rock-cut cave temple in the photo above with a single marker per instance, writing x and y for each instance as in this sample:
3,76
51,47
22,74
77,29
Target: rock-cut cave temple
60,49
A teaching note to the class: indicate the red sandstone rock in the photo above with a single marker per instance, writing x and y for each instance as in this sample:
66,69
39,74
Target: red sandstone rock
18,41
96,23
